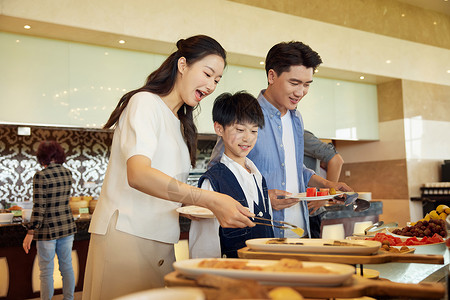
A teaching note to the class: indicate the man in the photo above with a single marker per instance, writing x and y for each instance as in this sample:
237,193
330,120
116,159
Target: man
278,152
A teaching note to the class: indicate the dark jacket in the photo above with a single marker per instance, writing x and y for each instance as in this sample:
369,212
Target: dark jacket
231,239
52,217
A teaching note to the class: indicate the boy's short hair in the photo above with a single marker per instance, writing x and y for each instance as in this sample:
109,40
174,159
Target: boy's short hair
240,107
283,56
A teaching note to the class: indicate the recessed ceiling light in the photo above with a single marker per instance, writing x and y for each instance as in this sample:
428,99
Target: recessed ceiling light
27,27
361,77
338,83
17,41
316,70
388,61
106,53
261,62
403,15
121,42
239,71
448,71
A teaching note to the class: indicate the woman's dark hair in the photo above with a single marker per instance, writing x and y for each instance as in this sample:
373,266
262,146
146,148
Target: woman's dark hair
283,56
162,81
240,107
50,151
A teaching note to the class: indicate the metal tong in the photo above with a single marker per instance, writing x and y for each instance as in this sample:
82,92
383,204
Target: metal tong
288,226
351,198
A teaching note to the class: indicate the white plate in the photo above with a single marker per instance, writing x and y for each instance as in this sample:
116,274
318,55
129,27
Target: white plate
302,197
196,211
315,246
185,293
189,268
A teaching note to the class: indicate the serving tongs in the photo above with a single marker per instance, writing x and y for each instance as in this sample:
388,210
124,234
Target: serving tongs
351,198
288,225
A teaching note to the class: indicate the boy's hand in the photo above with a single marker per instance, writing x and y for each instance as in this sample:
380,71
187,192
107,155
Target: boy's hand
278,204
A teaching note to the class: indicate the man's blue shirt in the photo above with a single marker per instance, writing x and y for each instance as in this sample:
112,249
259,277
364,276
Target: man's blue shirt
269,157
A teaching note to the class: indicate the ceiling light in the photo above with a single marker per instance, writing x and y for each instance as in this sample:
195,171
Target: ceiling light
361,77
316,70
17,41
338,83
388,61
448,71
261,62
403,15
239,71
106,53
27,27
434,23
121,42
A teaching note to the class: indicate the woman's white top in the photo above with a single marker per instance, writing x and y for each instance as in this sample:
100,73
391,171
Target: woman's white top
146,127
204,240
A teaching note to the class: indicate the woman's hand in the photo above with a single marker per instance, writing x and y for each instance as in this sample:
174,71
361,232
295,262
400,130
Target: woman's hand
27,242
230,213
278,204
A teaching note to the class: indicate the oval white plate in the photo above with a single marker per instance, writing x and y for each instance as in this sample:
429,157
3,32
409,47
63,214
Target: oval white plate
189,268
196,211
315,246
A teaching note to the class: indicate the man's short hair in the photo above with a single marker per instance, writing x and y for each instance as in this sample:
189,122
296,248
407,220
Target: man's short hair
283,56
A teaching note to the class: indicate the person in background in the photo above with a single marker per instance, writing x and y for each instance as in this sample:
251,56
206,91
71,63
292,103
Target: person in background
236,119
52,224
134,227
278,152
320,156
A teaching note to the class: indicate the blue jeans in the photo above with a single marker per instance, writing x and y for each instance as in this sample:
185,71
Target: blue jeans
46,252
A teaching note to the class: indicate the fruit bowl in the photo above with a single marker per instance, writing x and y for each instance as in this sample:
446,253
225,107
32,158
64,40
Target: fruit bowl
435,248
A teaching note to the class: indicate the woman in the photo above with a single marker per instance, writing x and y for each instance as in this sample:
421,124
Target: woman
52,224
133,228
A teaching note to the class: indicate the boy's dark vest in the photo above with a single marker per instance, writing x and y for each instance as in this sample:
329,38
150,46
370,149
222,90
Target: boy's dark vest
231,239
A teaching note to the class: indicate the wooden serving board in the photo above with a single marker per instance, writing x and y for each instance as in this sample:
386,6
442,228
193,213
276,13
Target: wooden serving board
379,258
356,286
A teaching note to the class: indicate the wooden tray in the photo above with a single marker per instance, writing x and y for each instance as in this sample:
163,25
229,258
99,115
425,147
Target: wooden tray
357,286
380,258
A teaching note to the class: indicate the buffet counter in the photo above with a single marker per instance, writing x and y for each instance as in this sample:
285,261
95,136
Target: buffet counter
19,272
340,214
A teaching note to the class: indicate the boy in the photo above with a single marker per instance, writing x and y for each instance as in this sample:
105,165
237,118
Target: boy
237,119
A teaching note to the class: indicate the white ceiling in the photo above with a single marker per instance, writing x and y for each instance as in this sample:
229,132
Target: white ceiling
442,6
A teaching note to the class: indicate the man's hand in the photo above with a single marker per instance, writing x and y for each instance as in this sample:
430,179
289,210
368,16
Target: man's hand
315,205
341,186
279,204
